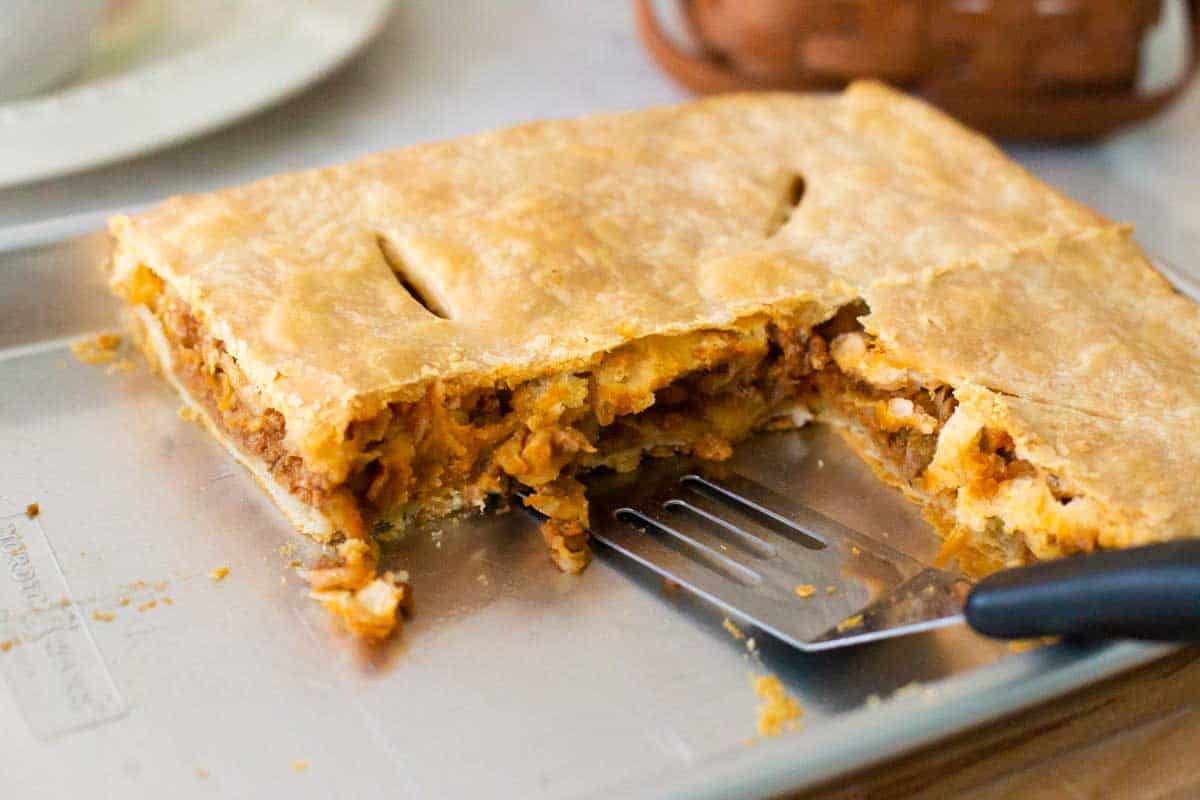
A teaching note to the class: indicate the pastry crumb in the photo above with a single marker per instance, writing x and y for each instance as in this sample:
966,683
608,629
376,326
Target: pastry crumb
372,611
805,590
915,689
188,413
202,773
483,579
124,601
103,616
100,349
161,585
1024,645
144,607
32,510
120,365
8,644
830,589
219,573
733,629
849,623
166,601
299,765
854,551
294,563
567,542
779,710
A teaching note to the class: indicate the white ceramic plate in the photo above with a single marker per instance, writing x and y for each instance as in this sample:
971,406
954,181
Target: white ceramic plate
182,68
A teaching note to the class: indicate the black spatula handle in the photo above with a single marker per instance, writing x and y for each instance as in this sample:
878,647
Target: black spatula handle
1150,592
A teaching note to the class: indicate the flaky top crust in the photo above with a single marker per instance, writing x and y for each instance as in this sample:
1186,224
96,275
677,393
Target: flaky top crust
1082,352
542,246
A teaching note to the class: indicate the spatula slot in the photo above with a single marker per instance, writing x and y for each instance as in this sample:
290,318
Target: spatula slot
764,516
728,531
682,543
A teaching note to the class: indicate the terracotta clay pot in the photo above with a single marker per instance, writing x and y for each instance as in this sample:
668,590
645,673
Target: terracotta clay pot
1043,69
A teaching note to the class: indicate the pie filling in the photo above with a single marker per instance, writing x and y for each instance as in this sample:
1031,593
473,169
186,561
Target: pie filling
460,446
991,504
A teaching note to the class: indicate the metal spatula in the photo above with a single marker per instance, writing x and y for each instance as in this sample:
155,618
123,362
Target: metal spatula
818,584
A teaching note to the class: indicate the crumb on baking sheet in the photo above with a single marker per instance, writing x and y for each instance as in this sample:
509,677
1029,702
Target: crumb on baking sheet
779,710
8,644
99,349
914,689
202,773
830,589
299,765
849,623
32,510
124,601
188,413
148,605
167,601
373,611
120,365
103,616
1024,645
219,573
805,590
161,585
733,629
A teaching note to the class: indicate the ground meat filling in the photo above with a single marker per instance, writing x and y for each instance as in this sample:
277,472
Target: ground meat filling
456,446
902,419
543,433
908,450
213,378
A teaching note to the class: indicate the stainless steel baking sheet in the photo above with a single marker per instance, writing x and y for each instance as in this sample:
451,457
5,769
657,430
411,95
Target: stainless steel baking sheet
511,679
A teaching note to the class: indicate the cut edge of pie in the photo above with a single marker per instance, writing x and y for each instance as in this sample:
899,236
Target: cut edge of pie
697,393
461,445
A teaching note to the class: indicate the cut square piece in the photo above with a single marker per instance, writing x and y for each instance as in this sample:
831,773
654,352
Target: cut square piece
415,332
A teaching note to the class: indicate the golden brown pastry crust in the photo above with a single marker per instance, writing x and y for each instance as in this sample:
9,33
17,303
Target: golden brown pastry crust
551,242
555,248
1085,356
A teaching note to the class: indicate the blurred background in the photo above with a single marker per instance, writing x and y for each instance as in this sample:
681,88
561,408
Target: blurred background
110,104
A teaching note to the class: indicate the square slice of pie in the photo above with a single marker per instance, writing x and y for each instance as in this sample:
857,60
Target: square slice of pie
416,332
